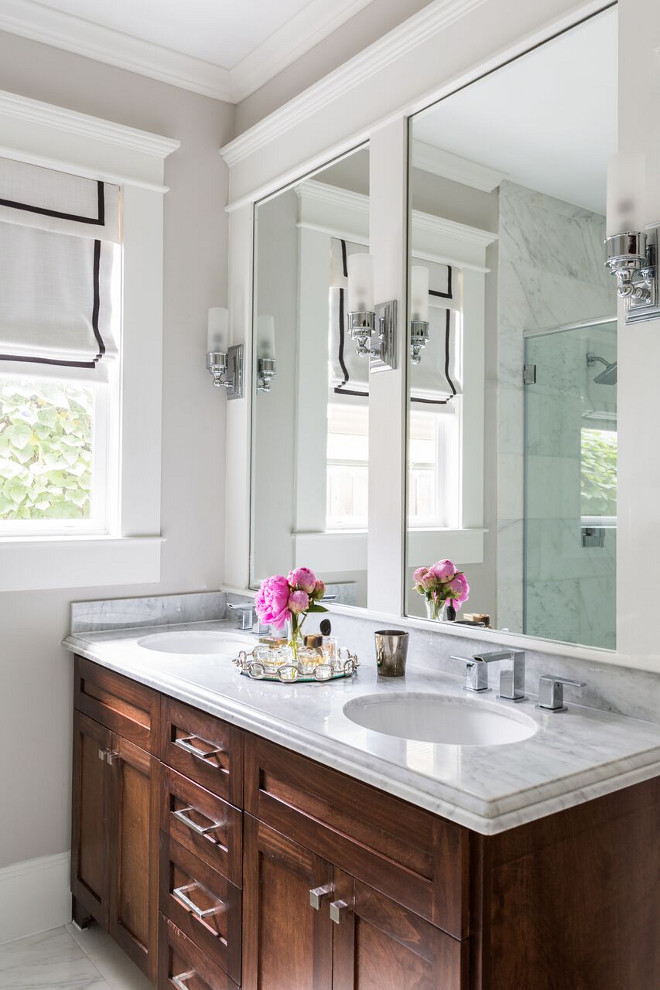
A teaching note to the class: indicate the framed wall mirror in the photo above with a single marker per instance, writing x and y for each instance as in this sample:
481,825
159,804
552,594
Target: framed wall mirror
310,422
512,394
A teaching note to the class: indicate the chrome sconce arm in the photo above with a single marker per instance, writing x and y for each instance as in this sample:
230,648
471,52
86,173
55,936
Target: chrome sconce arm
266,371
419,338
226,368
364,326
632,259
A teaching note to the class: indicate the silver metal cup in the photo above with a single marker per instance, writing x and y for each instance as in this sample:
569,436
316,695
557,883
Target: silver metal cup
391,652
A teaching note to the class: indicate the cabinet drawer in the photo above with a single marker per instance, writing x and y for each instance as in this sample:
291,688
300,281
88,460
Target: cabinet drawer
202,823
419,860
204,748
204,905
122,705
183,966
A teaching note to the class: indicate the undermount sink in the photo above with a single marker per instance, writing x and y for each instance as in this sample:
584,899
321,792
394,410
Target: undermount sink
439,718
203,641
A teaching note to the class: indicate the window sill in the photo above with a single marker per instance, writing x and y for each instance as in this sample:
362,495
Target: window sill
427,545
48,562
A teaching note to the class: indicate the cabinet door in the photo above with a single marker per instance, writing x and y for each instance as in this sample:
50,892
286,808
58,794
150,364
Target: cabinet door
286,942
90,876
380,945
134,852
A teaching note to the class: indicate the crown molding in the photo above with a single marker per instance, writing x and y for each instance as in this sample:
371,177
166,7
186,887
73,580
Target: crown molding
311,25
73,34
420,27
61,119
439,162
307,28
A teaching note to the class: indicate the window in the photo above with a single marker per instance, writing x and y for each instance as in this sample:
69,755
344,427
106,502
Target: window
598,475
113,535
433,468
348,466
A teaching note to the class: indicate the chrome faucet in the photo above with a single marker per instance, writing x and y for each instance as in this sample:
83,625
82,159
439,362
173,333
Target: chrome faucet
512,682
247,617
551,692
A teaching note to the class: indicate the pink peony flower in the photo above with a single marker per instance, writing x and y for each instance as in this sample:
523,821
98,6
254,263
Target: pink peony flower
459,588
419,574
444,570
429,581
298,601
319,590
271,602
302,579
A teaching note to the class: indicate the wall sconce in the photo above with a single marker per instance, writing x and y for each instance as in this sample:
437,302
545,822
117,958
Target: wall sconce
266,363
364,317
224,364
631,246
419,311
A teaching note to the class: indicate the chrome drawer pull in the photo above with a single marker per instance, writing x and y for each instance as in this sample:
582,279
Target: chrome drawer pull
179,981
180,894
339,910
182,816
187,746
318,894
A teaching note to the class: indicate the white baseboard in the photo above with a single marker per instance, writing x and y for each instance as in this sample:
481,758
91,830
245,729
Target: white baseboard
35,896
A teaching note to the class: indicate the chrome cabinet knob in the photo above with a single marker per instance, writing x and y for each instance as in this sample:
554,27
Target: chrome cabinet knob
318,894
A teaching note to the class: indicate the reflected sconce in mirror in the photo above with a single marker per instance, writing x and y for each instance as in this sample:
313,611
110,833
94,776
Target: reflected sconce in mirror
225,364
631,246
266,363
419,312
367,323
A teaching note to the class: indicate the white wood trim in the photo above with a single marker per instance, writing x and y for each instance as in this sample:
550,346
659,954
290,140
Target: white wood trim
466,545
75,34
94,128
329,209
333,551
421,26
437,161
35,896
305,29
44,134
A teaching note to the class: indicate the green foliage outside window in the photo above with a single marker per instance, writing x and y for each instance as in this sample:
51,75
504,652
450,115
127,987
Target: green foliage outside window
599,449
45,450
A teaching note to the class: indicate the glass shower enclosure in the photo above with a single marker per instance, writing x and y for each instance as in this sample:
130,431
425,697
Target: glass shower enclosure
570,483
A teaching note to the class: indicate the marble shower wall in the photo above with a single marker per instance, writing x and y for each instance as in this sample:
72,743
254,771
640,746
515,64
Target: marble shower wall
550,273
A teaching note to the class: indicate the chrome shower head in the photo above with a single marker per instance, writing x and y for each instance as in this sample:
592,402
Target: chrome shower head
606,377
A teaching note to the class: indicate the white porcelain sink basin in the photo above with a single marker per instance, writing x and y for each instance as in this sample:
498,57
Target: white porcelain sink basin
205,641
440,718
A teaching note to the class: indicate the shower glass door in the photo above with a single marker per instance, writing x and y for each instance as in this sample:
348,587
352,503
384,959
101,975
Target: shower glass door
570,484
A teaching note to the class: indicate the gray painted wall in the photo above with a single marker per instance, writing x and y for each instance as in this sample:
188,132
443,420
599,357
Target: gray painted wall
35,672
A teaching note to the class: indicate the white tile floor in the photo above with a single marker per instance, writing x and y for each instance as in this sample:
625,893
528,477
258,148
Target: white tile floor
66,959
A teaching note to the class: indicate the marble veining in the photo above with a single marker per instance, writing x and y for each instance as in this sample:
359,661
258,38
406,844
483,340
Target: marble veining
574,756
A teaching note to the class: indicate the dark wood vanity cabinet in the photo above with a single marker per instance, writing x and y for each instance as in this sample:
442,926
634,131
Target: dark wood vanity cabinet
114,862
219,859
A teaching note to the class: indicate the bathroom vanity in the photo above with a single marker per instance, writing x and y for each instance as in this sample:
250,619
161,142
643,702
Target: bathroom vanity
231,832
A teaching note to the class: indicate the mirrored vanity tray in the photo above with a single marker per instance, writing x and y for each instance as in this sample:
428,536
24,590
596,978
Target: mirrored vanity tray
263,664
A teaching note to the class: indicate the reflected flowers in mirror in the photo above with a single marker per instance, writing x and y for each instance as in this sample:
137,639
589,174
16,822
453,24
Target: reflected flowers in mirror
443,587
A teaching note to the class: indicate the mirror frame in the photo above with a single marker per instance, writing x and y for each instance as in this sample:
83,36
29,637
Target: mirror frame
369,99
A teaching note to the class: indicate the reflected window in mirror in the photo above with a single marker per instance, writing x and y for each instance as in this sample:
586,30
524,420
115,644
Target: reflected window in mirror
514,480
310,432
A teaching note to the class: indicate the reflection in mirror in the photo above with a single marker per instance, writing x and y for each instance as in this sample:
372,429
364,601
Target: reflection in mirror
310,428
512,401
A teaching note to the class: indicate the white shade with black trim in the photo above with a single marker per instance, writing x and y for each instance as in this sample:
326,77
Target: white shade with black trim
57,237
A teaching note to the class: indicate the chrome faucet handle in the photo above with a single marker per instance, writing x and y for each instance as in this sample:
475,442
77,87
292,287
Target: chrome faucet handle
512,682
551,692
246,614
476,674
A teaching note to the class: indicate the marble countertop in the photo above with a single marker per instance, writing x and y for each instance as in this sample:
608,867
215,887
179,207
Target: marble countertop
574,756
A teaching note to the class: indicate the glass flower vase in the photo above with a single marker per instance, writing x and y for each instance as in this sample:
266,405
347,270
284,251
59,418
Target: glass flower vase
435,609
294,638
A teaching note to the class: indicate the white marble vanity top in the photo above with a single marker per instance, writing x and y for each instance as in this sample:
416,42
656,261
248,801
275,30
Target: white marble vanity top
574,756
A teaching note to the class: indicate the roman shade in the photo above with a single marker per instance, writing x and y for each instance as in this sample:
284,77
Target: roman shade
57,247
434,381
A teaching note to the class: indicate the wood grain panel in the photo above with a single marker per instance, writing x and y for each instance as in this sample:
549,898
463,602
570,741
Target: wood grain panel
178,956
90,829
220,847
287,943
420,860
218,766
124,706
